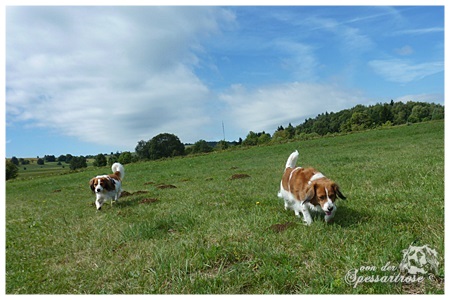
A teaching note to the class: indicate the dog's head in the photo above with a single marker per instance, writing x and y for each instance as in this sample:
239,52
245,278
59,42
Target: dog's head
324,192
100,184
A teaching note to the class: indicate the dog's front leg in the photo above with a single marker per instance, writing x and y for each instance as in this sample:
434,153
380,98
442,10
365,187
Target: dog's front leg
286,205
306,214
98,204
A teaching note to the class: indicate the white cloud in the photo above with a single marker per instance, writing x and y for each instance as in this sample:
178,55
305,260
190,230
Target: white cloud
432,98
108,75
351,40
404,71
266,108
299,60
418,31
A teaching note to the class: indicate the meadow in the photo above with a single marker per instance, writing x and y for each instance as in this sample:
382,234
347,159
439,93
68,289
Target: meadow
213,224
34,170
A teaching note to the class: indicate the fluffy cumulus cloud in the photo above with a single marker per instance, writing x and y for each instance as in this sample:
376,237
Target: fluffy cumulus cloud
268,107
108,75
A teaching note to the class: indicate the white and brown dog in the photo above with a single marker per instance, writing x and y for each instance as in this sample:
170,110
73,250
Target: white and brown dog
108,186
306,190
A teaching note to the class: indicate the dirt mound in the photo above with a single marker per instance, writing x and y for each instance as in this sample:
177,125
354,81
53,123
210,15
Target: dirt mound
239,176
281,227
166,186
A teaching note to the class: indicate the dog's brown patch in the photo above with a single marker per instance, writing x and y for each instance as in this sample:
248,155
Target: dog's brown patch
281,227
166,186
239,176
148,200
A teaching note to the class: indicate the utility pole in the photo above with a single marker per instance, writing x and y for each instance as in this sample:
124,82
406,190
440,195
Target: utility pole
223,130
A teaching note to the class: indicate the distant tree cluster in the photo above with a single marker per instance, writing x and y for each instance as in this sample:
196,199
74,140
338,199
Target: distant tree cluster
49,158
101,160
201,146
160,146
363,117
357,118
78,162
254,138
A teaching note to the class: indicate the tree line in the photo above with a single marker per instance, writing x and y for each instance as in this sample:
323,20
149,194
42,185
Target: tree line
358,118
164,145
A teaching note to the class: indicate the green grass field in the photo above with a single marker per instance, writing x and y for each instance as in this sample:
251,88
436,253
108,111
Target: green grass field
34,170
214,235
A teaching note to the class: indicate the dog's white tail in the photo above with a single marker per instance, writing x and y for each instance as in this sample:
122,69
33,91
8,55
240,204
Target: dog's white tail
117,167
292,160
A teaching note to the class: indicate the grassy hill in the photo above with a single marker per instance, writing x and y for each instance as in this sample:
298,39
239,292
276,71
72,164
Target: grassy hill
184,226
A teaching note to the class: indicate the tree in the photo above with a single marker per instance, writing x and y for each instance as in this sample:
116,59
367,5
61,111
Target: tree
222,145
24,161
165,145
78,162
320,126
290,130
40,161
201,146
125,158
12,170
251,139
100,160
49,158
280,135
264,138
401,113
69,158
419,113
14,160
438,113
112,159
142,150
360,121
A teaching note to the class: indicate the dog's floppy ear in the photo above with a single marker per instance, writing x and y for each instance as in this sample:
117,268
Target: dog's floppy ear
338,192
91,184
310,193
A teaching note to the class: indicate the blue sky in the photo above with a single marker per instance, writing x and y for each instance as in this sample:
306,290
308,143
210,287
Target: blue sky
88,80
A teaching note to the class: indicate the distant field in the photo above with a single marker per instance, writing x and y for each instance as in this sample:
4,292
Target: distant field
34,170
214,235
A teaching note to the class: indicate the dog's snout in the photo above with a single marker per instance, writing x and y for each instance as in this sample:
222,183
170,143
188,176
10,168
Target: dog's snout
98,190
330,208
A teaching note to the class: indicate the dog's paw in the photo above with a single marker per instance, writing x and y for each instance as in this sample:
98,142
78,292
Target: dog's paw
307,222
